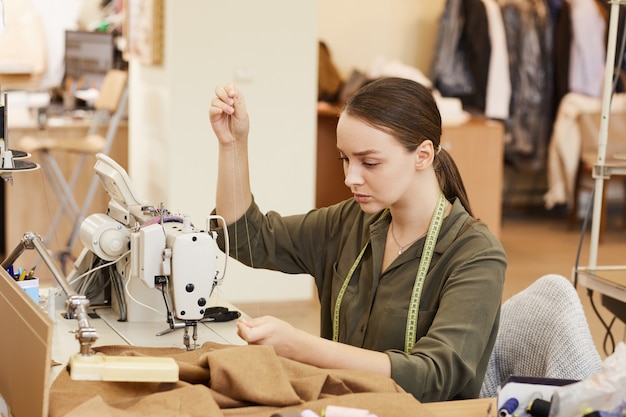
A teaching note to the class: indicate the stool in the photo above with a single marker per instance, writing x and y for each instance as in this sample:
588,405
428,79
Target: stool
109,109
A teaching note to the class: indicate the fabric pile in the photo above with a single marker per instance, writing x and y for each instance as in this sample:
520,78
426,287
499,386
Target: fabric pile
224,380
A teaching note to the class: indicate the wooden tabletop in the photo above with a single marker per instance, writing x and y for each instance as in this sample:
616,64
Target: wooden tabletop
465,408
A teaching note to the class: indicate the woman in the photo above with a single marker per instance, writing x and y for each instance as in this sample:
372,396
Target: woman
410,284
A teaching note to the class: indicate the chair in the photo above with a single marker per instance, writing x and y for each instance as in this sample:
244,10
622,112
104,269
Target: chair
589,125
543,333
109,109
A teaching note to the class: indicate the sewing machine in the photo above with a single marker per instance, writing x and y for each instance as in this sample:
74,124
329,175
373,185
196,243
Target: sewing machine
159,267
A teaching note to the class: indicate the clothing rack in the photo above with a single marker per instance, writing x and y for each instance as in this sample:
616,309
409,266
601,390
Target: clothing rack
602,170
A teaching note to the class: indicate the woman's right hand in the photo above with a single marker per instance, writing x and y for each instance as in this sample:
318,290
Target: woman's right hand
269,330
228,114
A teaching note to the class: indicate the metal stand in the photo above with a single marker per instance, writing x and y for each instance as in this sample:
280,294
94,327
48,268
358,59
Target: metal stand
77,304
86,365
602,171
610,281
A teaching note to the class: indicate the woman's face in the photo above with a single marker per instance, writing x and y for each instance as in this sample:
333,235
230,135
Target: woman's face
377,168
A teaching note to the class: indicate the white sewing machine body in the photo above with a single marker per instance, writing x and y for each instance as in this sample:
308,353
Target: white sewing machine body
159,257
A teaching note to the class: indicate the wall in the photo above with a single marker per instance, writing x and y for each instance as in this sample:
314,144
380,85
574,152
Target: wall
270,50
55,17
359,31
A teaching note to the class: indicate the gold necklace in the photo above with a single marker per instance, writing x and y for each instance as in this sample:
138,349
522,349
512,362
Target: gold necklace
401,250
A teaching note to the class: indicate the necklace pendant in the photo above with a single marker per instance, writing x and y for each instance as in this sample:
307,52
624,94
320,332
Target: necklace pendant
400,251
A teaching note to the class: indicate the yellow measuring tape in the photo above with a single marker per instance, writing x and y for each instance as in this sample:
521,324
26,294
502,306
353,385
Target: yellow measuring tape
427,253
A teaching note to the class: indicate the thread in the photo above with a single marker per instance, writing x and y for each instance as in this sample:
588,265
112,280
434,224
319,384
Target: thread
339,411
52,304
2,125
539,408
508,407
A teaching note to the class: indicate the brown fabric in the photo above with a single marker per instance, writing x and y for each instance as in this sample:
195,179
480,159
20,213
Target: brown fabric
329,80
224,380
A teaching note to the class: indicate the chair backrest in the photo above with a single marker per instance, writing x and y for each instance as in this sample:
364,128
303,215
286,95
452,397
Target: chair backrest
111,90
543,333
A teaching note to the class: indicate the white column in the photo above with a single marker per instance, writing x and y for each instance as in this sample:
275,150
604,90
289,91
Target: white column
269,49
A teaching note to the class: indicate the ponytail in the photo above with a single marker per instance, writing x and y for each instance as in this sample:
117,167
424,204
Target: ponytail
450,179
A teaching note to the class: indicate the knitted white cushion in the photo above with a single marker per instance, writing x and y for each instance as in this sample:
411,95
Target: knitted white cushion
543,333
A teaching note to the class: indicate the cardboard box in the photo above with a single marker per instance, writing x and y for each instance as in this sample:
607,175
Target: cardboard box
520,392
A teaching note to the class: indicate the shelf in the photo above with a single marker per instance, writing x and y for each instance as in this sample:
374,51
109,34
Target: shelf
608,280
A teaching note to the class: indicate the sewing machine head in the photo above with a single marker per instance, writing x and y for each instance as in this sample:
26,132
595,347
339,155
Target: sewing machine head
166,267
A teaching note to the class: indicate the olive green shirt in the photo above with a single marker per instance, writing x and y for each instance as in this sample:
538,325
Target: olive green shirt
460,302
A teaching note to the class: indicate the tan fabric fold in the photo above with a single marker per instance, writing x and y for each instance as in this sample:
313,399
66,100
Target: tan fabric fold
189,401
224,380
251,373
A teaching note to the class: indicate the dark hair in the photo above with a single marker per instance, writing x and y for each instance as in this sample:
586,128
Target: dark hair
407,110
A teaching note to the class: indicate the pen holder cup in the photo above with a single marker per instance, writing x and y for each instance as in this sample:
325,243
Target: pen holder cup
31,287
69,100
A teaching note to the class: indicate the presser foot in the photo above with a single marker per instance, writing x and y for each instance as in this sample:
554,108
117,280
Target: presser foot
186,339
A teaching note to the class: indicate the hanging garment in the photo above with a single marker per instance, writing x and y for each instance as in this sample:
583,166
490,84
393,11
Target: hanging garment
561,52
588,49
498,89
527,25
449,72
477,44
461,64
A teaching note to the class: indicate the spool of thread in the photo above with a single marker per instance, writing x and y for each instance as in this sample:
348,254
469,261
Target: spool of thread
539,408
339,411
2,126
508,407
602,414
